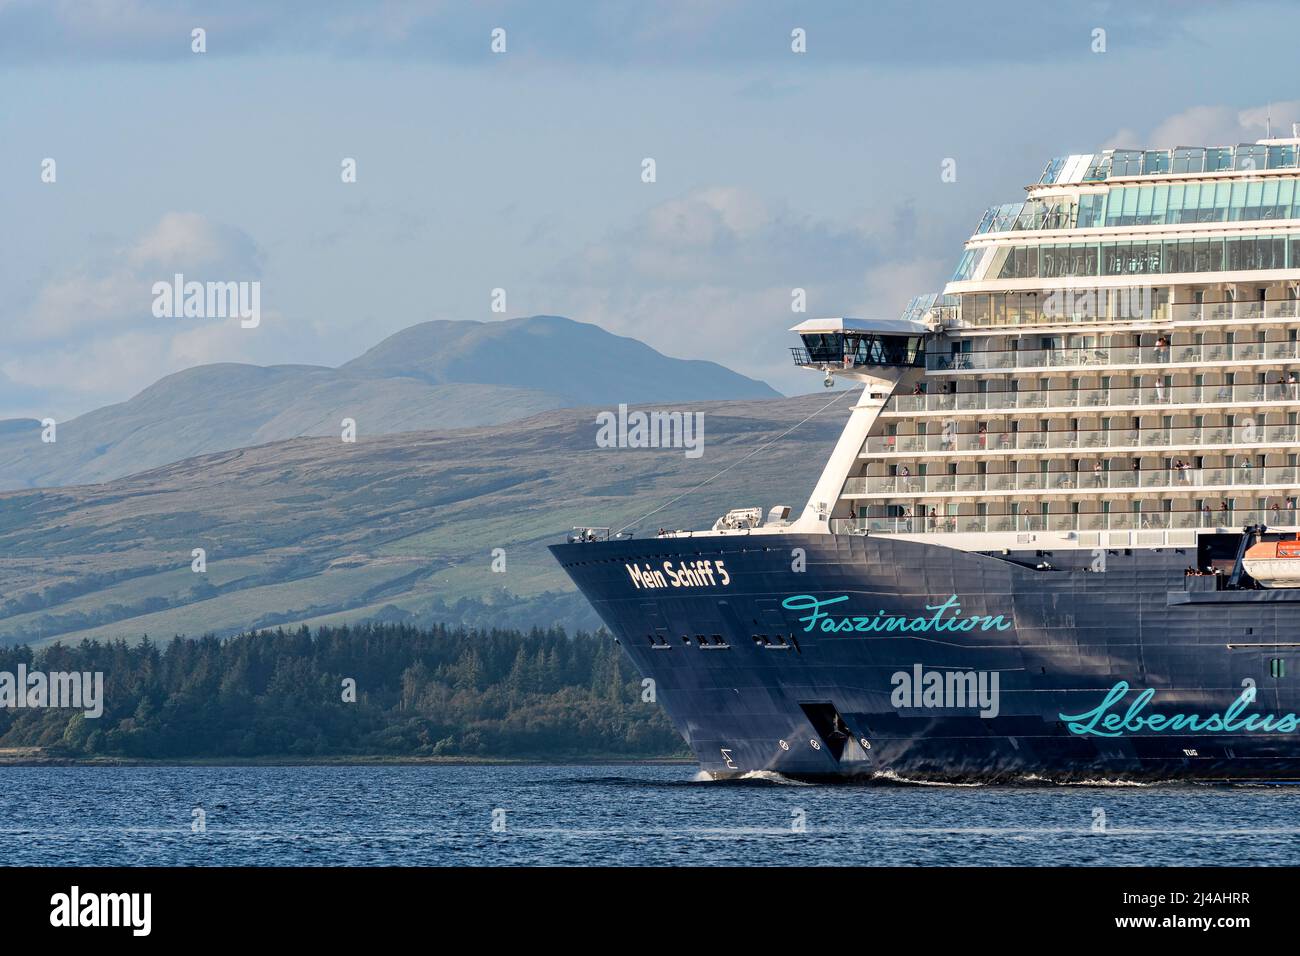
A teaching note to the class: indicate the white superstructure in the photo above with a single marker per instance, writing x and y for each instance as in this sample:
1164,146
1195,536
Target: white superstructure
1116,363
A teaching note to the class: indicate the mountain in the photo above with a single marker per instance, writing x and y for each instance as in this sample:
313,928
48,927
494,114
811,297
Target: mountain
392,527
583,364
435,375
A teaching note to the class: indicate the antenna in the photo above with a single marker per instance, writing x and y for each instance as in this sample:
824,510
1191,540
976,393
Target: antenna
1268,115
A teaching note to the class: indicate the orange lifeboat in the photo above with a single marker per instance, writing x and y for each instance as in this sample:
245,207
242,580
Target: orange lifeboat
1274,564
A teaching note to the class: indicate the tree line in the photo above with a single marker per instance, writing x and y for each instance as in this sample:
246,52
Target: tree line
377,689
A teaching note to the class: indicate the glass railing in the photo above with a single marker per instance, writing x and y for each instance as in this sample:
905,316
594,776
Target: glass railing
1242,199
1070,398
1032,215
841,357
1092,439
1109,355
1081,308
1091,521
1118,479
1244,157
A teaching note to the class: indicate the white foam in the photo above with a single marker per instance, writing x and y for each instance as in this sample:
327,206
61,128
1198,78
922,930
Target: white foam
894,777
771,776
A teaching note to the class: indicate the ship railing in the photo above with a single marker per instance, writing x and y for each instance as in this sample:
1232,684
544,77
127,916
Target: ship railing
1086,398
1207,518
952,442
1110,355
1105,479
856,358
1190,313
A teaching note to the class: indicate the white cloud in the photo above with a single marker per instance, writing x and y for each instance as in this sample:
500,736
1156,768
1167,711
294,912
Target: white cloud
710,275
90,336
70,304
86,303
1212,126
188,240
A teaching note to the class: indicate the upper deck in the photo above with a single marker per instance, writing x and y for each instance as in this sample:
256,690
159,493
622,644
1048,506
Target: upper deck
1143,218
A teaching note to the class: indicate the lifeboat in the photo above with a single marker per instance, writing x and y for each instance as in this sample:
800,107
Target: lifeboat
1274,564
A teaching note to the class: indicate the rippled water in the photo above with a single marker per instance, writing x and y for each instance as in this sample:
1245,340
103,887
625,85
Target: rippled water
624,814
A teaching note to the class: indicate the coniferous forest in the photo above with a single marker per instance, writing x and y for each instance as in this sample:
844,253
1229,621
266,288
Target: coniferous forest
419,692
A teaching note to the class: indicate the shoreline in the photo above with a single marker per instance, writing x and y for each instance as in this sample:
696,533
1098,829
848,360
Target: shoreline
29,759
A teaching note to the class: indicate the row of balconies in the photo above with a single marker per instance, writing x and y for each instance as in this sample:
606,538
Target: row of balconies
1117,396
1120,479
1217,518
1046,313
1113,355
1074,439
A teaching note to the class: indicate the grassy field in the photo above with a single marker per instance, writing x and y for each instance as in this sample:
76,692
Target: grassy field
401,527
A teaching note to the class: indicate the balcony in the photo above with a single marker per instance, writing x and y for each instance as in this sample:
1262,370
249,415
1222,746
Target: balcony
1092,440
1118,479
1280,518
1071,399
1084,309
1103,356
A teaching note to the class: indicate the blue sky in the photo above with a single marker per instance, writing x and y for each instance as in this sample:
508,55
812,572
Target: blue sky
522,170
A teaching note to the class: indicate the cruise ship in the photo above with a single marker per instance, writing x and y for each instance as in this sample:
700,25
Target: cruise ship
1054,539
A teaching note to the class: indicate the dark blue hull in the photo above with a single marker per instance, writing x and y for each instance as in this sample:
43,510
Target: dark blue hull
876,656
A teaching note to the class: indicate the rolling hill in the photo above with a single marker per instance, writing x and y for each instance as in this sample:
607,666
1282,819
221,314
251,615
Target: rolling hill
399,526
436,375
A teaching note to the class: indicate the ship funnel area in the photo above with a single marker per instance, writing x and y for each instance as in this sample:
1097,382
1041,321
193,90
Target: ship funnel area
877,353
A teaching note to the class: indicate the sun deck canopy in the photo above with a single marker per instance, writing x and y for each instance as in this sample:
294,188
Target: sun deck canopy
862,326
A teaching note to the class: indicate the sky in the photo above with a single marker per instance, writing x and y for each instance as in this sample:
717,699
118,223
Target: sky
522,170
